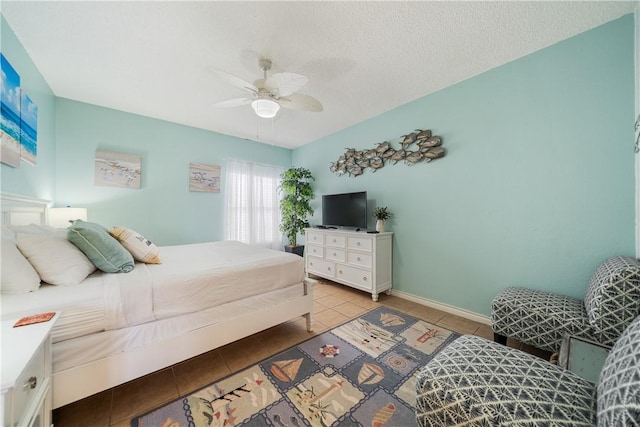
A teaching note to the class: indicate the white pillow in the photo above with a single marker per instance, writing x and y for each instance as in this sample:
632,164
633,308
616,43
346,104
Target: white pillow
140,247
18,276
7,233
56,260
33,229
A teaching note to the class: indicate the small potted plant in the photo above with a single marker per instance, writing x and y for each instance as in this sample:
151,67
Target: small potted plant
295,206
381,214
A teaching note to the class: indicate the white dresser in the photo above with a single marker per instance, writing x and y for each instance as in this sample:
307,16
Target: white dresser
354,258
26,374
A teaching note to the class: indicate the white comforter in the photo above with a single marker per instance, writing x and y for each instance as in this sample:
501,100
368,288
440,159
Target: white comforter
195,277
191,278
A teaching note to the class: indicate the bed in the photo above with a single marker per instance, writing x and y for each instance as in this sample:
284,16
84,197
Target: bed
114,328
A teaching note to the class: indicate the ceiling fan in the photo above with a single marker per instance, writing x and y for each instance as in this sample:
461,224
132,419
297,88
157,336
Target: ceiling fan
270,93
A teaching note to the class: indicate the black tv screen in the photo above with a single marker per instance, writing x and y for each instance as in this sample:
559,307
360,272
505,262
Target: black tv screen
345,210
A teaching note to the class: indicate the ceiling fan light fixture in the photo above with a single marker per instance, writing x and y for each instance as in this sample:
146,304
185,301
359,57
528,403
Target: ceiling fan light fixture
265,108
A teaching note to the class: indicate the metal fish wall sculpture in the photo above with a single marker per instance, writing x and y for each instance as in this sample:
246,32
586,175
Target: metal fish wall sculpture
415,147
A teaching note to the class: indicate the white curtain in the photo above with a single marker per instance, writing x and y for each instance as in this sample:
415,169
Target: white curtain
252,204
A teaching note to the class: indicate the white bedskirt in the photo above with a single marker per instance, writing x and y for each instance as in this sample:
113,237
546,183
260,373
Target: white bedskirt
76,352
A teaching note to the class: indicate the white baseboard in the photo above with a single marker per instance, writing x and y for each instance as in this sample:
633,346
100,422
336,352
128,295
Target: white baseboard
476,317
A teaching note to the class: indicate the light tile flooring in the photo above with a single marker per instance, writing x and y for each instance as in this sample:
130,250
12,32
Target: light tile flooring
333,305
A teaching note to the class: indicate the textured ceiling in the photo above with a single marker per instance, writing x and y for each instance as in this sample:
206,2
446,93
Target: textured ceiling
361,58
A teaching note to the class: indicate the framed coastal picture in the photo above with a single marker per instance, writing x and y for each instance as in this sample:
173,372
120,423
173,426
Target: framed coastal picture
204,178
117,170
28,130
10,115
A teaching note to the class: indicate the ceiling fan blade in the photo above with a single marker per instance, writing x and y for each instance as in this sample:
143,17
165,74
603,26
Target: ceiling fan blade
236,102
233,80
285,83
298,101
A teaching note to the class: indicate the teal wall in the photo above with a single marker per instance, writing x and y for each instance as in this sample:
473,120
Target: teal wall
69,133
536,189
31,180
163,209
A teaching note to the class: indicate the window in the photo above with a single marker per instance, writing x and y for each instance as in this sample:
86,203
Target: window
252,208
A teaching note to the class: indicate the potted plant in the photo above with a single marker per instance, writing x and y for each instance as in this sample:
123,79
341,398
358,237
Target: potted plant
381,214
295,207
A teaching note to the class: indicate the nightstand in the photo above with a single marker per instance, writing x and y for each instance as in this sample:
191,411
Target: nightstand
582,357
26,374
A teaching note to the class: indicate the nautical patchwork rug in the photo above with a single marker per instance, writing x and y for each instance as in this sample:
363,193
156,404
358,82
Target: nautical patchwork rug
361,373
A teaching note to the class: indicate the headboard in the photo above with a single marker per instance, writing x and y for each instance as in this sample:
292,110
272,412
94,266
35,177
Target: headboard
22,210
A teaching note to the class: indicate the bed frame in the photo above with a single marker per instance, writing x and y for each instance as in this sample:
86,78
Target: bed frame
82,381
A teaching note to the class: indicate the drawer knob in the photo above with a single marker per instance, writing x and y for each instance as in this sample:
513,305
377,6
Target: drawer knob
364,278
30,384
358,258
329,268
334,254
358,244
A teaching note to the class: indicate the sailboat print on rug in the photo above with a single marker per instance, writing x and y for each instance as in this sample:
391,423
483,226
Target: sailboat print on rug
362,373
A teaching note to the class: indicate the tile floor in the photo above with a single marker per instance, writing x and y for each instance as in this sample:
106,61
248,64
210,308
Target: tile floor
333,304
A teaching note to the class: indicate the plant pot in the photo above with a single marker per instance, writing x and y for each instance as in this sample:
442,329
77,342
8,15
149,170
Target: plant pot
298,250
380,226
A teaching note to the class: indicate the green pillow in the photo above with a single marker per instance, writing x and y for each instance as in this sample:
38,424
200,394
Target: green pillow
105,252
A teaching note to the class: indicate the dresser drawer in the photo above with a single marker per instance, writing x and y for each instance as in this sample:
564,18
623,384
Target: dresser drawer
29,383
335,240
355,276
321,267
360,259
314,237
314,250
335,254
360,243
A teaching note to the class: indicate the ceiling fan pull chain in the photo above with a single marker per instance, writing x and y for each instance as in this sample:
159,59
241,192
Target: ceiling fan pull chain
635,128
257,128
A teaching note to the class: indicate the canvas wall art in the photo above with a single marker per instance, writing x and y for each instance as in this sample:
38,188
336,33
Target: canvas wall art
10,100
117,170
28,130
204,178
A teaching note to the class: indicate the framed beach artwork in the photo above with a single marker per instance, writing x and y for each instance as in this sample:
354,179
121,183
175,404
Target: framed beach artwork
204,178
10,114
117,170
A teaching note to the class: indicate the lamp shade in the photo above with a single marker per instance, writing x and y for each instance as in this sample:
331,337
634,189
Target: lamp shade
60,217
265,108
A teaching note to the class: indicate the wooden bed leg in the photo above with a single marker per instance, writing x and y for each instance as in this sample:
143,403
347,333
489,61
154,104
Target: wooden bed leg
309,322
500,339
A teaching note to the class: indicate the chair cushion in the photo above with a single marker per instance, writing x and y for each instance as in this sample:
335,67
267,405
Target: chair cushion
477,382
619,385
612,300
538,318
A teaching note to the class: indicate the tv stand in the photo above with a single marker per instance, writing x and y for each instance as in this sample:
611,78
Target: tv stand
359,260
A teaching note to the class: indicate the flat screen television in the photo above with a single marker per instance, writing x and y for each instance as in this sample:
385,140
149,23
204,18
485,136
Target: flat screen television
347,210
